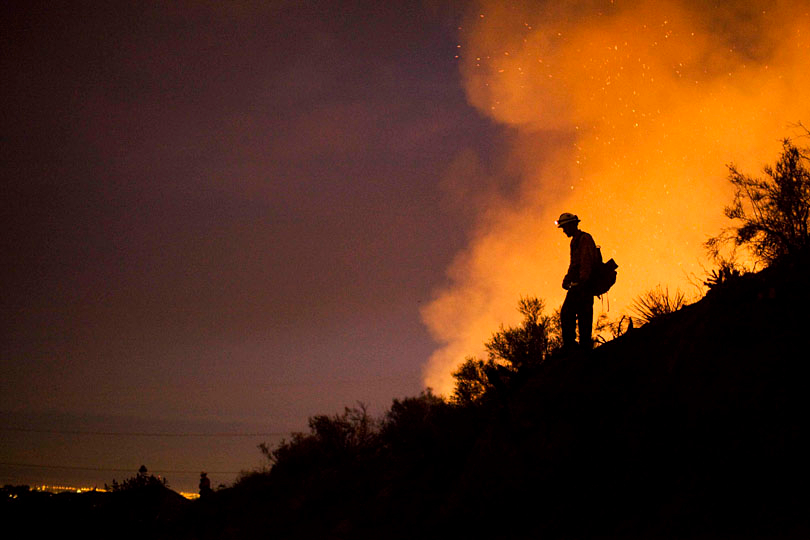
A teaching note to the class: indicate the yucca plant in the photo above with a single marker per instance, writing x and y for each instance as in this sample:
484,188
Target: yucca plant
657,302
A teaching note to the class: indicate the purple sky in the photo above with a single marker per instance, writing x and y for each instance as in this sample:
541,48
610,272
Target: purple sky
218,219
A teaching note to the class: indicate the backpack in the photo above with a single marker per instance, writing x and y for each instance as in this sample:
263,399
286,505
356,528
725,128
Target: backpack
603,275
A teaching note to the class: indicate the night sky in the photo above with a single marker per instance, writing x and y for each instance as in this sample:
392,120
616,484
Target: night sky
222,218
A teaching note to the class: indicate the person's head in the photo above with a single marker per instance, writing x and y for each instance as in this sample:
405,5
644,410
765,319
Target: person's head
568,223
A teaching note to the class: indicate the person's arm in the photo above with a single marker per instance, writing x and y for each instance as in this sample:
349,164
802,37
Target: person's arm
587,257
570,278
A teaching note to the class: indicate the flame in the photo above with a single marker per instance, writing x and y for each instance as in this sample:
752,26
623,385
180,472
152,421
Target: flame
626,114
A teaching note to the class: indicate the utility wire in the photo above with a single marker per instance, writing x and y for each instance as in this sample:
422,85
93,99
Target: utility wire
144,433
105,469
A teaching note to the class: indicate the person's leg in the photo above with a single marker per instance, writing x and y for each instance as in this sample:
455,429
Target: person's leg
585,319
568,320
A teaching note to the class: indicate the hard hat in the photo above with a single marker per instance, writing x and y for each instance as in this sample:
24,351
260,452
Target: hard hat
565,217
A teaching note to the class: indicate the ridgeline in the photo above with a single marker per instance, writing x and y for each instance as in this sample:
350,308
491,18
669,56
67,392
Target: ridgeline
691,426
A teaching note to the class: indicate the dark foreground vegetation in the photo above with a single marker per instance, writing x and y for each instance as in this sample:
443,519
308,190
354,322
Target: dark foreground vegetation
690,426
693,425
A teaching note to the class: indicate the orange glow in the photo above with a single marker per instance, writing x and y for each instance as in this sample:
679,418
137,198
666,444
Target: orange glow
651,100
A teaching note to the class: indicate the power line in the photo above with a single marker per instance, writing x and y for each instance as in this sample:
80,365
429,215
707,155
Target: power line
144,433
105,469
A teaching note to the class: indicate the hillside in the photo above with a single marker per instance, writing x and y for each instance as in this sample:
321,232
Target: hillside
692,426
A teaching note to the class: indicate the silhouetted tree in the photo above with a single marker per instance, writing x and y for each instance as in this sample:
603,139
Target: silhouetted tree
773,213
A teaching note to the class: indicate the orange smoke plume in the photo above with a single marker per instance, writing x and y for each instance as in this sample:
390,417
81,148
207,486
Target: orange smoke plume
625,113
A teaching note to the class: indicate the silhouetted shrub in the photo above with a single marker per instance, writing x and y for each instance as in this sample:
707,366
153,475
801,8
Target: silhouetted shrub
773,213
471,382
332,439
139,481
527,344
410,424
510,353
657,302
613,329
727,271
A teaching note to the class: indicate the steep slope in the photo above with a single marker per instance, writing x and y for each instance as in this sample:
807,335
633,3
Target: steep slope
693,425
